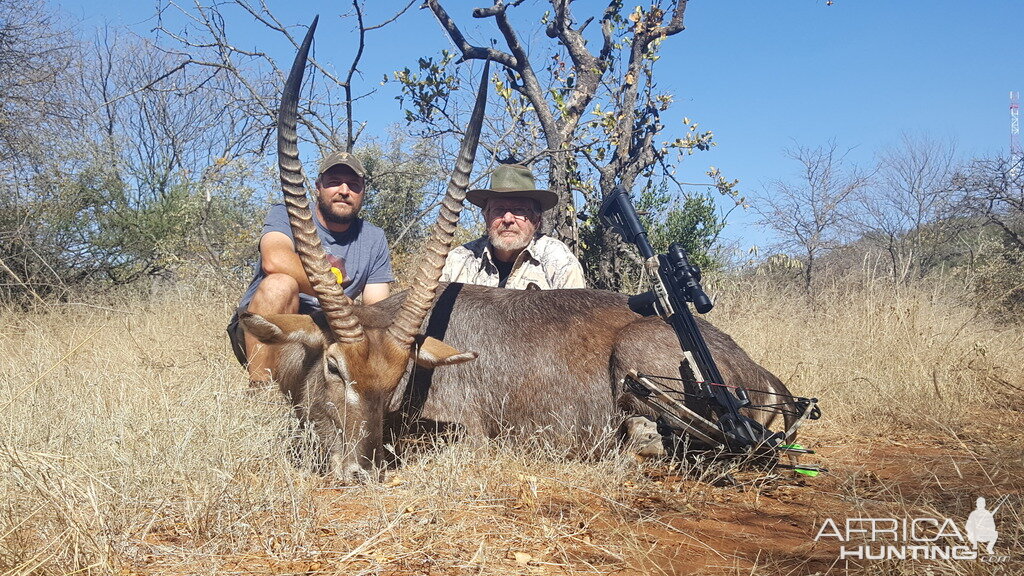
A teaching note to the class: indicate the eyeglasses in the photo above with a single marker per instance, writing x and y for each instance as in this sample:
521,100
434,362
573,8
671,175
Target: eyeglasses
355,185
517,213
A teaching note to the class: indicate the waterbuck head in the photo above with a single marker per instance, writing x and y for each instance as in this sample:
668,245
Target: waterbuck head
342,375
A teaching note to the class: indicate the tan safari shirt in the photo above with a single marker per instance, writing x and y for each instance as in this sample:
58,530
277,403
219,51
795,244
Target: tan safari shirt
546,263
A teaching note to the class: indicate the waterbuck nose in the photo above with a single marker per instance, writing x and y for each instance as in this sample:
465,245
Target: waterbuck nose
349,472
357,475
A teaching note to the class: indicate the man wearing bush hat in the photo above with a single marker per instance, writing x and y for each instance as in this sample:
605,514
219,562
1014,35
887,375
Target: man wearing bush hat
513,254
356,249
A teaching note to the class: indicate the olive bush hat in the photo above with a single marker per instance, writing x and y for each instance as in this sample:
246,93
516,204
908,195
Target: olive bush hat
341,159
513,181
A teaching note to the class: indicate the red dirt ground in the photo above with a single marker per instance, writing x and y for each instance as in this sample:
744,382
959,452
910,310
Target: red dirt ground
677,526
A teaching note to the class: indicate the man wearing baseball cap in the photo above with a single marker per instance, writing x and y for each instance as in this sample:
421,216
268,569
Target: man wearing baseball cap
356,249
513,254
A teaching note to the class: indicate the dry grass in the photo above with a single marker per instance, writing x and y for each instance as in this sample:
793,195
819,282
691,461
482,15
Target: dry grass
128,445
877,357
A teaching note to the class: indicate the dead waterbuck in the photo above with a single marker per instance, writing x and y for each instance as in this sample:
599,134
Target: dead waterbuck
549,361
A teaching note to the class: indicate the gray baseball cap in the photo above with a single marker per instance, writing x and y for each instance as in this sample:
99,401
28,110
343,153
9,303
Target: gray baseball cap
343,159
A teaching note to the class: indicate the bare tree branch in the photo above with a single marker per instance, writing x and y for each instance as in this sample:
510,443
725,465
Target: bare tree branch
347,85
393,18
469,52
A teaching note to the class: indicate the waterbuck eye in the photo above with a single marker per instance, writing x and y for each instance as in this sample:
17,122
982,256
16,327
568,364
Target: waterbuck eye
332,367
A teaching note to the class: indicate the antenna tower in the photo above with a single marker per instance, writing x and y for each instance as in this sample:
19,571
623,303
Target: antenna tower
1016,154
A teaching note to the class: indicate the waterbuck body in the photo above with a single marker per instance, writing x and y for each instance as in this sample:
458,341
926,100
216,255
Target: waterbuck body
552,363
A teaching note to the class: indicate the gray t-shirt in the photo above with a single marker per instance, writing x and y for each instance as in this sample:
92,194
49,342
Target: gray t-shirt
362,248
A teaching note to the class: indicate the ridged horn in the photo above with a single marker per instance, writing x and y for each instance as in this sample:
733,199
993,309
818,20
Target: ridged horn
424,286
336,305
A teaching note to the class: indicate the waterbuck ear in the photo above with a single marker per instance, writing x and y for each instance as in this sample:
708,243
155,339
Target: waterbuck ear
282,328
431,353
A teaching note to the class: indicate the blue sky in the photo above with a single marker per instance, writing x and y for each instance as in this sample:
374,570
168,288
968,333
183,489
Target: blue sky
762,75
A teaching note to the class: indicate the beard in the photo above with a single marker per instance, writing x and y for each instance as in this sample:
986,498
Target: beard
339,213
340,218
507,242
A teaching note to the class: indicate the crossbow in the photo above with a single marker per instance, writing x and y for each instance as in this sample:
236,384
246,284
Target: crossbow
675,286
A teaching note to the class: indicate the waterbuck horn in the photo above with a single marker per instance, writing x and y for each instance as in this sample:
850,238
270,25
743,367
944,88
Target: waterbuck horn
424,285
336,305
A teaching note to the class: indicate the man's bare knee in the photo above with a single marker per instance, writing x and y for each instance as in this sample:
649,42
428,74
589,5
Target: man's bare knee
276,294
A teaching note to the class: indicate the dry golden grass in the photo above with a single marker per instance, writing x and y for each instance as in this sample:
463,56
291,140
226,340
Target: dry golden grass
128,445
875,356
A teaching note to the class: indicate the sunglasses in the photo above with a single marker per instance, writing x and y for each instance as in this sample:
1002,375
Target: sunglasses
519,213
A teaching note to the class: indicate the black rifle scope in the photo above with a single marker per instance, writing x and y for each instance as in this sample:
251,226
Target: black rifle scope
687,276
